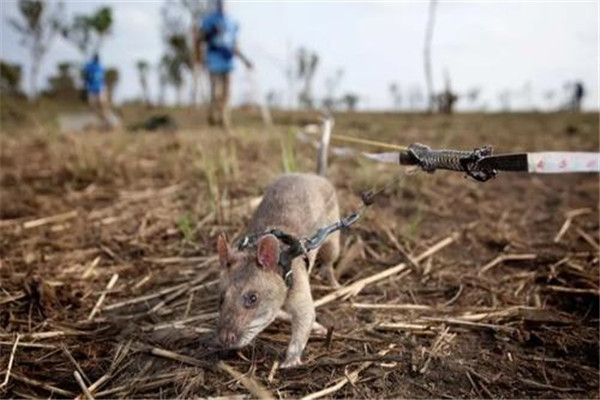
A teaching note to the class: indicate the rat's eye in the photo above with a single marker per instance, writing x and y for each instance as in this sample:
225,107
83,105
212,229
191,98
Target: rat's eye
250,300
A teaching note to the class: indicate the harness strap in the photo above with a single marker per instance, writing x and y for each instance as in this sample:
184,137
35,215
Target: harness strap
286,270
295,249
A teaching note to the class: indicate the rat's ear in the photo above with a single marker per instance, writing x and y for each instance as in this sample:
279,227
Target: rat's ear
224,250
267,253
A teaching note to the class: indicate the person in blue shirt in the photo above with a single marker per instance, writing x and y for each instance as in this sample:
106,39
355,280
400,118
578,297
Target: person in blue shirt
217,40
93,76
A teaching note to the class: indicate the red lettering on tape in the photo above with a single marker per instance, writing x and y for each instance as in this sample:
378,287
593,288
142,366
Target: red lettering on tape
562,164
540,164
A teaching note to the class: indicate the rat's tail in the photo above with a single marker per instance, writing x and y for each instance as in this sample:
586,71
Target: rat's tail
326,128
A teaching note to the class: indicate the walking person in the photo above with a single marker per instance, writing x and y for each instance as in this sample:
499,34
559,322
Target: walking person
95,89
93,74
217,39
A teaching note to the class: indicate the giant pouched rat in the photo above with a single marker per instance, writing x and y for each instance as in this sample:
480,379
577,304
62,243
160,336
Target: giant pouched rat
253,291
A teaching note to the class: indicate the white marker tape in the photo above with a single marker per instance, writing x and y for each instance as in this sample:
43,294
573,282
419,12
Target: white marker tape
553,162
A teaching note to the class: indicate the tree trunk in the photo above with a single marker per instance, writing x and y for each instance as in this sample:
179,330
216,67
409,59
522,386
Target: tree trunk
427,55
308,89
146,92
161,93
195,85
196,67
179,90
35,70
161,88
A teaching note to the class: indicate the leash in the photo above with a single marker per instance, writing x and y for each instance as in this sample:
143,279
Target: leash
314,129
480,164
368,142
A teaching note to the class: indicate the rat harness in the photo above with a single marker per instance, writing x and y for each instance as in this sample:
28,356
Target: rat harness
299,247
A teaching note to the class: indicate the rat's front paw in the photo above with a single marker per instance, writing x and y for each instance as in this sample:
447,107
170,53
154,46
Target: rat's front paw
291,362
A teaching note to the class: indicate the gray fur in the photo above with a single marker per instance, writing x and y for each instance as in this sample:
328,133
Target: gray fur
297,204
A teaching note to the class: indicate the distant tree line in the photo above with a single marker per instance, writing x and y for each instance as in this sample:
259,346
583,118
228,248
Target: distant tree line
39,22
181,65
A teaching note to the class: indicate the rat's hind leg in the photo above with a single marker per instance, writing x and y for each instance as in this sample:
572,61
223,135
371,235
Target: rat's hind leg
328,254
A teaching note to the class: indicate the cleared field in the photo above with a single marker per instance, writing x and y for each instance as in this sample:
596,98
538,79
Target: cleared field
108,268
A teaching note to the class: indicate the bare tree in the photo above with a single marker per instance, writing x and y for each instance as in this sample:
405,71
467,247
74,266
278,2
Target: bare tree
173,66
307,66
163,79
396,94
415,98
273,99
177,58
181,19
196,9
427,55
549,96
447,98
472,95
143,67
332,84
38,25
527,95
351,101
505,97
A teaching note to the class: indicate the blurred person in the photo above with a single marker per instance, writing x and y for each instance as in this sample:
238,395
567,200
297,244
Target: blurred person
93,74
217,40
578,95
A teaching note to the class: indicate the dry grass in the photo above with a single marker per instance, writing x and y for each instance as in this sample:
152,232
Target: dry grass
452,288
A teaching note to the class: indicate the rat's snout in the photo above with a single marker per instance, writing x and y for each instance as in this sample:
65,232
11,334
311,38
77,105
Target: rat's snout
228,337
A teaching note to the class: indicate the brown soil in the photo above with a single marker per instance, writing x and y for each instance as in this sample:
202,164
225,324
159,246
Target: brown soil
79,209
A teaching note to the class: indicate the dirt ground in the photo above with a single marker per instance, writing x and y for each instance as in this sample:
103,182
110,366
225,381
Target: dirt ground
108,270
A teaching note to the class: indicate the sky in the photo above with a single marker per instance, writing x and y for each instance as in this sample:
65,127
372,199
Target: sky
530,49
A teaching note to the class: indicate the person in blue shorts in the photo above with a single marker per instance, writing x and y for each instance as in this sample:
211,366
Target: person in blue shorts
217,39
93,74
